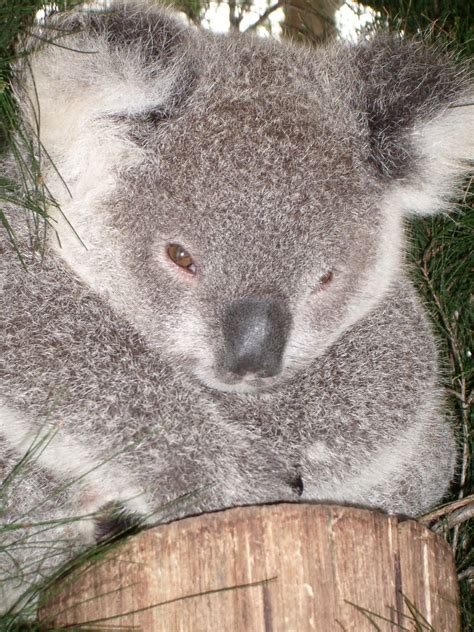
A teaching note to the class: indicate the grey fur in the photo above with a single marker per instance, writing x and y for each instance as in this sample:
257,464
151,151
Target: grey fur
297,361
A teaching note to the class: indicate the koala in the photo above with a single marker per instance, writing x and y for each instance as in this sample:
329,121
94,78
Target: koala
220,313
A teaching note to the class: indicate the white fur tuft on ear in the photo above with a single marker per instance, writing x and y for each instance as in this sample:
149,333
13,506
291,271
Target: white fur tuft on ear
64,105
78,91
80,98
445,146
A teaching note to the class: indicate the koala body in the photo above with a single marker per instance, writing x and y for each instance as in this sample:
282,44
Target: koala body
221,315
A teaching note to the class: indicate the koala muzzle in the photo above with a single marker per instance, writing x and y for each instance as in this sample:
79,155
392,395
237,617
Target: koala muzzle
255,334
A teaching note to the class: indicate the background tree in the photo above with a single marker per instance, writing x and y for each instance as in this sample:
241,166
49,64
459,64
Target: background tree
310,20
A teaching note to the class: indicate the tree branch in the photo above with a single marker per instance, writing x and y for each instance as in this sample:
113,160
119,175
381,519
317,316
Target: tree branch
271,9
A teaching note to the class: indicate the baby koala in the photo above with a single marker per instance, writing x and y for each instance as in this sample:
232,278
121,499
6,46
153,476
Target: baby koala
221,314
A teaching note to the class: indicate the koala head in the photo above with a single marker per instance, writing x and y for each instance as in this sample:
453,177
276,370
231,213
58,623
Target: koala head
241,200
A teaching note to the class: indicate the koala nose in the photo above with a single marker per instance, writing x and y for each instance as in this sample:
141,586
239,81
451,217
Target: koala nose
255,333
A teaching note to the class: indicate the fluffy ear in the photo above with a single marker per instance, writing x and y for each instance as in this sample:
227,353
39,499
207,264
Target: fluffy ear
82,96
102,68
419,111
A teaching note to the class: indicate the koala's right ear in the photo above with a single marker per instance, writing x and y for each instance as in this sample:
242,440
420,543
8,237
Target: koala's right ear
418,105
103,67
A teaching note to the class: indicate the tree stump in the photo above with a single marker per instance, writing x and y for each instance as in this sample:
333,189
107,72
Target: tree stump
274,568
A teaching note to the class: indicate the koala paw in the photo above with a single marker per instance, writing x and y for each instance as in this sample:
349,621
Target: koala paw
296,482
109,513
114,520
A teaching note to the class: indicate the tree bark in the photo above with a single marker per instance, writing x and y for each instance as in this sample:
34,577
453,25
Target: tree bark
275,568
310,20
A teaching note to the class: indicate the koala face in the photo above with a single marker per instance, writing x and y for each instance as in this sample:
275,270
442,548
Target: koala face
242,201
263,257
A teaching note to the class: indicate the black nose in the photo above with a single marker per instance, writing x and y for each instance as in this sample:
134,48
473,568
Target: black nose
255,333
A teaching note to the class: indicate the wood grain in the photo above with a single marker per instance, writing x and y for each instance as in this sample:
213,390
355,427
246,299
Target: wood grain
275,568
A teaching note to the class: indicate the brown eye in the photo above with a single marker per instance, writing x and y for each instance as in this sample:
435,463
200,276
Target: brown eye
326,278
181,257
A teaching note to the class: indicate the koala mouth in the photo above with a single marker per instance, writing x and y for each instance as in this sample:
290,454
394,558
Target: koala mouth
227,382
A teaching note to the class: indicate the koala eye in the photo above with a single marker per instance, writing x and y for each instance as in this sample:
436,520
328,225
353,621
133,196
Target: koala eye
326,278
181,257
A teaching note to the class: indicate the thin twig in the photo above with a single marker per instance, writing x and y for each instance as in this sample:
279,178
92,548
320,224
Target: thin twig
460,516
427,519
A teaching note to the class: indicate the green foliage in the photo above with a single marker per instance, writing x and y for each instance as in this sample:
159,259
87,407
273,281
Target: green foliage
452,20
30,193
15,18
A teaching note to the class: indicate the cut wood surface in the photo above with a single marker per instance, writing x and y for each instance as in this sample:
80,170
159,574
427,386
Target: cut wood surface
274,568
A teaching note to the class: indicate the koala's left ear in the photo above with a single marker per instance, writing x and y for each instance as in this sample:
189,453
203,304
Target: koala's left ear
419,109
